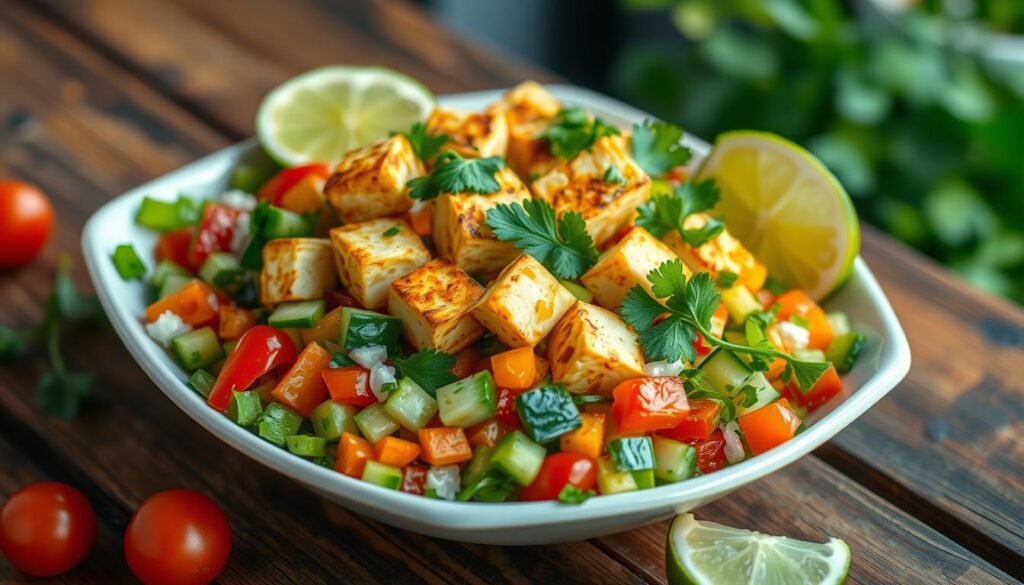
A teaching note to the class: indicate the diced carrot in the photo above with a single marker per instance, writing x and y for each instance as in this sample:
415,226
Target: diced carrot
769,426
486,433
303,388
543,366
465,362
796,302
394,451
515,368
444,445
420,220
588,439
349,385
352,455
195,303
234,321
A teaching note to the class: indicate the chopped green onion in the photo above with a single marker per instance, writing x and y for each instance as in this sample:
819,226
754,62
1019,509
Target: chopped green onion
202,382
244,407
306,445
128,264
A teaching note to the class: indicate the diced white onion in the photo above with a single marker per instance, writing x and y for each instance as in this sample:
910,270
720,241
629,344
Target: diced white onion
733,445
381,374
369,356
445,481
239,200
166,327
240,236
794,336
663,368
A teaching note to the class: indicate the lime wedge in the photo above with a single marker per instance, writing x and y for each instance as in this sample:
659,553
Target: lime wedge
706,553
322,114
787,208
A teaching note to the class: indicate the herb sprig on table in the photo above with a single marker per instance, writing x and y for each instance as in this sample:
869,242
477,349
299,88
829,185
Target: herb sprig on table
562,245
667,212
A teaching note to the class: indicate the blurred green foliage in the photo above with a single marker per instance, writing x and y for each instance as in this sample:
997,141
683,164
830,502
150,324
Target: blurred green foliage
928,140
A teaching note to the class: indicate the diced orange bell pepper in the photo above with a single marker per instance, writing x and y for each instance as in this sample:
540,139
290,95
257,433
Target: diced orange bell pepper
306,196
698,424
486,433
349,385
827,386
195,303
352,454
420,219
394,451
444,445
796,302
303,388
649,404
515,369
769,426
234,321
588,439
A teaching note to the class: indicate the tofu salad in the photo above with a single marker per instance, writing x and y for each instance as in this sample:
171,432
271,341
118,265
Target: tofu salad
523,303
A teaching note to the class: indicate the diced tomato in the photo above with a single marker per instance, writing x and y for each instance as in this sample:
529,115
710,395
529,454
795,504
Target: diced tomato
827,386
216,229
766,298
557,471
174,245
506,408
515,368
302,389
701,421
275,188
414,479
649,404
419,218
796,302
258,351
769,426
349,385
710,452
700,345
677,175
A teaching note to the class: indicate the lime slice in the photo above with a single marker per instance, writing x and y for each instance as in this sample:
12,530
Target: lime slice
787,208
706,553
322,114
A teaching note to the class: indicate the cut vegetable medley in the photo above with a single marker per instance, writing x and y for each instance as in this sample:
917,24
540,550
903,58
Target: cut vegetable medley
523,303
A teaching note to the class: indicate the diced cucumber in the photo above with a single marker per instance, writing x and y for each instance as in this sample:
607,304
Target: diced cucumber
839,323
221,269
164,269
410,405
723,369
277,423
810,354
518,456
632,453
612,481
244,407
844,351
306,445
385,476
578,290
478,466
202,382
197,349
331,419
375,423
548,412
282,223
172,284
740,302
644,478
302,314
468,401
362,328
673,461
753,393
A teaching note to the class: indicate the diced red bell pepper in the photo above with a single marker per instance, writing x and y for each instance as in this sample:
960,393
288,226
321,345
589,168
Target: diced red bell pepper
349,385
701,421
649,404
700,345
506,408
558,471
827,386
275,188
259,350
769,426
216,228
174,246
414,479
710,452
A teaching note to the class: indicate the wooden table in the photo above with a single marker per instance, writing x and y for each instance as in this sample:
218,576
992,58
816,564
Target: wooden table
97,97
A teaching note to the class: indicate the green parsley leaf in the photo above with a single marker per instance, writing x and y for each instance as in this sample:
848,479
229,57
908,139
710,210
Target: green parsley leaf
807,373
12,344
746,394
613,175
727,279
423,144
340,360
666,212
61,392
454,174
573,131
668,280
393,230
697,388
657,148
429,368
564,247
571,494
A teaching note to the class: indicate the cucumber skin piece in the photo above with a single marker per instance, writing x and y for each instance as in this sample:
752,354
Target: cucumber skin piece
172,284
202,382
844,351
674,461
301,314
362,328
164,269
330,419
468,401
632,453
306,445
519,457
724,368
478,466
244,408
221,270
282,223
197,349
548,412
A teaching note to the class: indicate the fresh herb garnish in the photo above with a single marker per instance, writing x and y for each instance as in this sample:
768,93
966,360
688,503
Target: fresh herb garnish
429,368
455,174
666,212
697,388
340,360
564,247
501,487
423,144
574,131
746,394
393,230
656,147
613,175
689,306
571,494
726,279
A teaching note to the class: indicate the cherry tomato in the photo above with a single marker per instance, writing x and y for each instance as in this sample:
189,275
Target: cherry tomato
177,537
46,529
26,222
559,470
710,452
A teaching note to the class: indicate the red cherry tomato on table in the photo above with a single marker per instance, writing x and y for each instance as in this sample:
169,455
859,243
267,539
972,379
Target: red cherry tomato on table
177,537
26,222
559,470
46,529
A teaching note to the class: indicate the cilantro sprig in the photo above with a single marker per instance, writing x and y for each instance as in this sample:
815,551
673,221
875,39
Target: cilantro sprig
697,388
571,494
657,149
667,212
564,247
423,144
689,306
455,174
429,368
573,131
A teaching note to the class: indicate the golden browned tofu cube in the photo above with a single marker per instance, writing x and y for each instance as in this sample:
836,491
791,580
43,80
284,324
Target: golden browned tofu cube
372,181
372,254
625,265
529,110
460,230
579,185
472,134
296,269
434,303
723,252
522,305
592,350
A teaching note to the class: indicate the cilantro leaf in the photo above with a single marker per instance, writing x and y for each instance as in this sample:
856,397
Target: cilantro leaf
340,360
746,394
564,247
571,494
698,196
60,392
12,344
807,373
726,279
669,340
423,144
657,149
697,237
495,481
573,131
661,214
393,230
668,279
667,212
639,310
429,368
697,388
614,175
455,174
702,298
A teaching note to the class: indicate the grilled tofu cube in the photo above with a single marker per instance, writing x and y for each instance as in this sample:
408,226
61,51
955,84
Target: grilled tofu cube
578,185
371,181
723,252
625,265
296,269
523,303
592,350
460,227
529,110
369,258
434,303
472,134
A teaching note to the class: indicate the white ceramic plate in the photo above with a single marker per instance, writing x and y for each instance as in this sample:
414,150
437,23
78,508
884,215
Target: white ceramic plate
884,364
